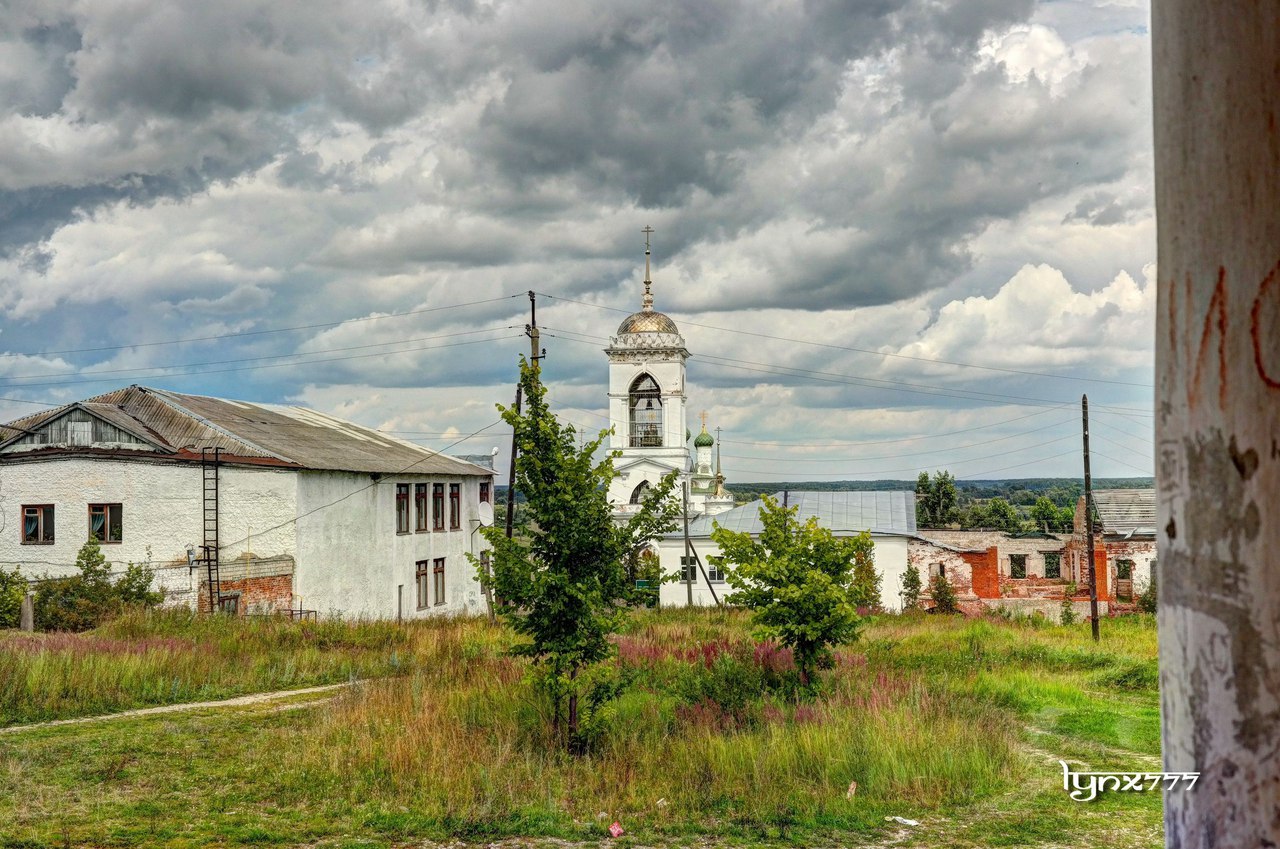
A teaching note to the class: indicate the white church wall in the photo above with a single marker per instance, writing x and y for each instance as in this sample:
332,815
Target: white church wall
890,560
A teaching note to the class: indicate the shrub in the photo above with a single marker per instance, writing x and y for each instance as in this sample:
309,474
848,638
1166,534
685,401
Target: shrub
911,587
944,597
12,589
1147,601
1068,614
80,602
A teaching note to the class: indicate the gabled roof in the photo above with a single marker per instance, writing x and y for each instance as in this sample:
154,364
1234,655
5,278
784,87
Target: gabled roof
180,425
884,512
1126,511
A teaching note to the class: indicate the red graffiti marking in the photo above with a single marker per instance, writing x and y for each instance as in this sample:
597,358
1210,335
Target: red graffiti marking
1218,311
1255,327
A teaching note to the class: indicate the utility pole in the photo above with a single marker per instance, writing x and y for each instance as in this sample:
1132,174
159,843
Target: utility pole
1088,520
535,354
511,477
531,330
688,545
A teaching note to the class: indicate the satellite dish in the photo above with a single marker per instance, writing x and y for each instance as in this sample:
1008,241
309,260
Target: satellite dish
486,514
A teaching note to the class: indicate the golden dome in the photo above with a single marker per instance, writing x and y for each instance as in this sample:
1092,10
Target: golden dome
647,321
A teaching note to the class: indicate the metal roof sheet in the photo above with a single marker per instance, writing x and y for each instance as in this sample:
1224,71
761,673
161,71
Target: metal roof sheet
1126,511
286,435
883,512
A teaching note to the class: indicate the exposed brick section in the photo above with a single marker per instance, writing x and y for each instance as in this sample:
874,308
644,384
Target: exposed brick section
986,572
257,595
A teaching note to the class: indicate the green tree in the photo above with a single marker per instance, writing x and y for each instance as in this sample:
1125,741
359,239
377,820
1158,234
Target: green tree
944,597
936,499
564,580
13,588
1002,515
911,587
798,580
866,583
1047,516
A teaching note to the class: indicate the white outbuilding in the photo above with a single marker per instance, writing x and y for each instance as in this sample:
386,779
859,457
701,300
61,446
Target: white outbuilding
890,517
244,507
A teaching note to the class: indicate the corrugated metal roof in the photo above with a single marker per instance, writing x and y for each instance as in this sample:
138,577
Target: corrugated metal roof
1124,511
886,512
285,435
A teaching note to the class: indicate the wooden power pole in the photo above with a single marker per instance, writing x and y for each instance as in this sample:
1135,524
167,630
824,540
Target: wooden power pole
1088,521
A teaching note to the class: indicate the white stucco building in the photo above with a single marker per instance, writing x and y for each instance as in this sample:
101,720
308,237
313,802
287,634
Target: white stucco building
300,510
889,516
648,410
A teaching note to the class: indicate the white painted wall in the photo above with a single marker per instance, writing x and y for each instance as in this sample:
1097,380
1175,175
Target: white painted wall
162,507
349,558
351,561
890,559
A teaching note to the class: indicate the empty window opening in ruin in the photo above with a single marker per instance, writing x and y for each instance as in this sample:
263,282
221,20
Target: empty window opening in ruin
1017,565
1053,565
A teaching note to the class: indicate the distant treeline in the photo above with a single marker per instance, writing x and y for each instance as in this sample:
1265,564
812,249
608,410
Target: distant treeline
1019,491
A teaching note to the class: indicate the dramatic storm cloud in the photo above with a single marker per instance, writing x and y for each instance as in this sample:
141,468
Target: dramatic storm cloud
876,221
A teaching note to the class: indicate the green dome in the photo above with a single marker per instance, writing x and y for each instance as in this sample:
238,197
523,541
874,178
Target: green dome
703,440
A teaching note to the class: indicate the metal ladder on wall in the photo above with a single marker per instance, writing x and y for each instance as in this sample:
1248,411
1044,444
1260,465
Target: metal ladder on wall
210,459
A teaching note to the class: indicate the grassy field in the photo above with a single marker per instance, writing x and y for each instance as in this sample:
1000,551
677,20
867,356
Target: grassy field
956,723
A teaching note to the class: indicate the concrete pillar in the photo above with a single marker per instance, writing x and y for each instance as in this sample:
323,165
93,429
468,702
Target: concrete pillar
1217,157
27,614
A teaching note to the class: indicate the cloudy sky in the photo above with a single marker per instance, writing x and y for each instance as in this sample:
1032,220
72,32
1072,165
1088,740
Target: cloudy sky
897,235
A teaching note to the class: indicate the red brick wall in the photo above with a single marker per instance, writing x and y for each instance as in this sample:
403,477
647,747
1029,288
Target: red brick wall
257,595
986,572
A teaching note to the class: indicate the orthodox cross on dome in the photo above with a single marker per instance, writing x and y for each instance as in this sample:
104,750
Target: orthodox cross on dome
646,303
703,416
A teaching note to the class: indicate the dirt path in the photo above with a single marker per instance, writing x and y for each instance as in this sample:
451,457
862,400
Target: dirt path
238,701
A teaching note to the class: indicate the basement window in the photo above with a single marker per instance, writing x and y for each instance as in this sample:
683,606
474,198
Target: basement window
422,518
229,604
402,508
106,522
455,505
1053,565
1017,565
437,572
37,524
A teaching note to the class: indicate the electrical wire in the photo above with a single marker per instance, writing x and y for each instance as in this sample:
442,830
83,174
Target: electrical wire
930,360
239,334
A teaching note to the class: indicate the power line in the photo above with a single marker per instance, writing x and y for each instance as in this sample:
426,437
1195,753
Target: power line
243,333
1121,462
265,365
850,380
82,373
930,360
1015,466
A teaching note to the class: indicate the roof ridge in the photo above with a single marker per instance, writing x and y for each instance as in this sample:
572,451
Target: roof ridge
162,395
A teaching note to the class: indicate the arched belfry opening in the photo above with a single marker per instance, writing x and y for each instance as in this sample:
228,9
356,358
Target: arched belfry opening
645,404
638,494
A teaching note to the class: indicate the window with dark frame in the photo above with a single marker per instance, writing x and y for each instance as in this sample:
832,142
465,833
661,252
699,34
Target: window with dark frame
421,576
645,405
37,524
437,572
1053,565
484,492
455,506
437,506
1017,565
939,570
106,522
715,571
229,604
402,508
421,514
688,568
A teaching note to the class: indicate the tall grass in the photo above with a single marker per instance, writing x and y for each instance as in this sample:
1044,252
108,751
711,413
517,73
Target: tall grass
163,657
